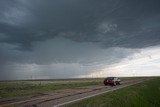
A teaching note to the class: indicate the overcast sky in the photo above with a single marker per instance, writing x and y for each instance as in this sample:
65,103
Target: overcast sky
50,39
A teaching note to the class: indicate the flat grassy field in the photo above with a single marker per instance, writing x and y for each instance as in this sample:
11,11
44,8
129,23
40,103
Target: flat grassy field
32,87
19,88
146,94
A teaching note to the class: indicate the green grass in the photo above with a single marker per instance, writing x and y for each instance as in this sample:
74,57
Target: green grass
19,88
30,87
146,94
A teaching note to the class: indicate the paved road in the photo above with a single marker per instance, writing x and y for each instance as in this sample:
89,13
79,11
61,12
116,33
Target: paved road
64,97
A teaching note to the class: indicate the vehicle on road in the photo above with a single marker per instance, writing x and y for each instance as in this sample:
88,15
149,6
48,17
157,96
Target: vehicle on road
112,81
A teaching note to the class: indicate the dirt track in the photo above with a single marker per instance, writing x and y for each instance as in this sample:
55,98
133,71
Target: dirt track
63,97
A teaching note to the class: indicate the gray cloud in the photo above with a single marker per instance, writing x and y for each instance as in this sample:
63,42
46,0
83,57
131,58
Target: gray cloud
57,58
27,21
75,31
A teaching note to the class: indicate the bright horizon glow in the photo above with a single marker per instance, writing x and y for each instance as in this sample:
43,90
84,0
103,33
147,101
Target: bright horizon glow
145,63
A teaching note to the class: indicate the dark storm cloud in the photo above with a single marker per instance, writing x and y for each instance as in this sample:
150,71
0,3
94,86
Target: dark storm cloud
123,23
85,32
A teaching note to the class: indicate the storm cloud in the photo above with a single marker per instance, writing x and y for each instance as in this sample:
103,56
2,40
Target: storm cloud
87,34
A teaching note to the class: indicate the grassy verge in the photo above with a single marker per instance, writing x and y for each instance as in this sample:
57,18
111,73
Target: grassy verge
146,94
19,88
